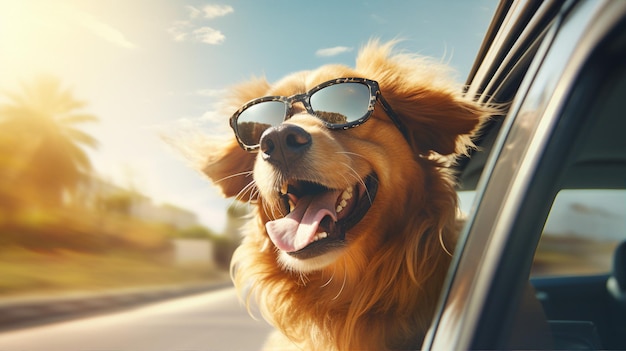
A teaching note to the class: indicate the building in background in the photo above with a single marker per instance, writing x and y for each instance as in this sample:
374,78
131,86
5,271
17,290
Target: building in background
105,196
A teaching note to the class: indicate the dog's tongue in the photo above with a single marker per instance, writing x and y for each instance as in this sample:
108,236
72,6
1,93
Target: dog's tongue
297,230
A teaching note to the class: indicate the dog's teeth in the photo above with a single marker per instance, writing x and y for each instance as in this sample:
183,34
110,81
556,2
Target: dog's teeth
320,236
347,194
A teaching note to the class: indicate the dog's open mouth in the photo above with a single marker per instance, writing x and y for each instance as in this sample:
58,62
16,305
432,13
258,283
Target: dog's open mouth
319,217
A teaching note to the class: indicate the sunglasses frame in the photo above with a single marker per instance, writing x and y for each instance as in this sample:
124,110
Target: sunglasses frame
305,99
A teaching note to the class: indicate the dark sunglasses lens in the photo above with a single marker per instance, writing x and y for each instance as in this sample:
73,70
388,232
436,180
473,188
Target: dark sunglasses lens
341,103
253,121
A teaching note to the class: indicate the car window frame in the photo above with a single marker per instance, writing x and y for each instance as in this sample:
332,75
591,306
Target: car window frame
463,321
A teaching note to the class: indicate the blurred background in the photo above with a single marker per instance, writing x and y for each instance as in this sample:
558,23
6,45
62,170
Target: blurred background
97,212
91,198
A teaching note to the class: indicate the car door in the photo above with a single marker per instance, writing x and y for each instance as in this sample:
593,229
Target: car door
563,132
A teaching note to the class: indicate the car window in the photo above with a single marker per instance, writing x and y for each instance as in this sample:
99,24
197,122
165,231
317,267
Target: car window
582,231
587,219
578,266
551,201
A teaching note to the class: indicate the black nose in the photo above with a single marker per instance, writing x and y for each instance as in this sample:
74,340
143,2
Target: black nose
284,144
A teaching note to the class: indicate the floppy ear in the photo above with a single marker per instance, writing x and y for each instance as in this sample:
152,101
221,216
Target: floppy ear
426,98
230,168
439,121
224,162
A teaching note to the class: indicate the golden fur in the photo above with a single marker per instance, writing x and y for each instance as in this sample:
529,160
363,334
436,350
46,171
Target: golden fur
380,291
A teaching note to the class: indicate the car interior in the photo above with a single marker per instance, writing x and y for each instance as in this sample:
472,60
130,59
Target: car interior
589,309
573,283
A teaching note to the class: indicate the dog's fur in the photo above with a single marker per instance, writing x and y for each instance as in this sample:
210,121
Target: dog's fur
379,291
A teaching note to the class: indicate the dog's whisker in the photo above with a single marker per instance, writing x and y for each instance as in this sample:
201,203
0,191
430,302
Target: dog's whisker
345,178
275,208
354,174
246,173
351,153
331,278
271,209
360,180
303,278
240,195
267,211
443,244
328,282
253,194
345,278
249,188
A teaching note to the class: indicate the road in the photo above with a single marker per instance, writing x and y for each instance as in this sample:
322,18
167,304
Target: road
211,321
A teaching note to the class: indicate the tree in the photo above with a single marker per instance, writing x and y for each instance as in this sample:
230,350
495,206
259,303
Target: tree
41,145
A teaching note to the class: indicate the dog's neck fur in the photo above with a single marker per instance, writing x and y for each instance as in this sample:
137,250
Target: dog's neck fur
362,299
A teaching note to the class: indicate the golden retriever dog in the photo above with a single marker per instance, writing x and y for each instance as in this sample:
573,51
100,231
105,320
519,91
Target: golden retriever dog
354,202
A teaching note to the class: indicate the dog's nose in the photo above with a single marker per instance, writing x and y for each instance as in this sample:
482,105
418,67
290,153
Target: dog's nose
284,144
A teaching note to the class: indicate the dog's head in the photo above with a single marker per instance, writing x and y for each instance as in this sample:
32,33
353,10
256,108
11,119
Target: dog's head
335,157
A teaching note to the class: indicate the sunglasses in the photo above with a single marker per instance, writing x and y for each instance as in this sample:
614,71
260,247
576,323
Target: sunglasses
340,104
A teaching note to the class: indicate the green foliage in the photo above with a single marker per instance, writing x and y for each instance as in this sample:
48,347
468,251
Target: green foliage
60,229
195,232
118,203
81,230
41,146
58,271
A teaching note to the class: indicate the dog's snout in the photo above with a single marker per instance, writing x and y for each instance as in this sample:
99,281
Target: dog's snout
284,144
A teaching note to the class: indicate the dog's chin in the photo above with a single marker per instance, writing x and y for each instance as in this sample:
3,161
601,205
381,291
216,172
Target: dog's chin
290,263
313,234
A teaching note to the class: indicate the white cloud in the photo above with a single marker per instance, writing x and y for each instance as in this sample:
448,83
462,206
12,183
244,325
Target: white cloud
327,52
179,30
215,10
190,29
209,35
193,12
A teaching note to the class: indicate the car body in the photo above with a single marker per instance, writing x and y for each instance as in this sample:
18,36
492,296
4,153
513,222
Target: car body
558,69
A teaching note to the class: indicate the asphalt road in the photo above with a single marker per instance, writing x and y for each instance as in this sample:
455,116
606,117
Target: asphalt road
204,322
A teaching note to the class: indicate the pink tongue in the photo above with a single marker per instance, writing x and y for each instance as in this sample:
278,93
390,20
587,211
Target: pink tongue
297,230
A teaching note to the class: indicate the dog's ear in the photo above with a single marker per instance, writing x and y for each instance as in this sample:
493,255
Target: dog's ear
425,97
439,121
225,162
230,168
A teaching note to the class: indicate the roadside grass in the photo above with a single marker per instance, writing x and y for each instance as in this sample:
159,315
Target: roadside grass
60,251
26,272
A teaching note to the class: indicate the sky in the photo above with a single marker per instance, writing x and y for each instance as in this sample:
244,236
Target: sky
145,67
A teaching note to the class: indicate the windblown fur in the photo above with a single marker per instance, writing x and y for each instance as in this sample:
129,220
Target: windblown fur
380,291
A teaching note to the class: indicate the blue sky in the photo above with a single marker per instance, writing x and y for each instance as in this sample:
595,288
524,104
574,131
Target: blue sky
144,66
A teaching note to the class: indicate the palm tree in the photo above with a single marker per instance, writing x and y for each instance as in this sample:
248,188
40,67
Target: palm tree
41,147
